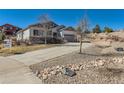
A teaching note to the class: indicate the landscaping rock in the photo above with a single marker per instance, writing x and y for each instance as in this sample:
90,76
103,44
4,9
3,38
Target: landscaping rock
75,67
81,68
44,76
49,75
112,72
54,72
68,72
47,70
101,62
98,63
58,67
39,76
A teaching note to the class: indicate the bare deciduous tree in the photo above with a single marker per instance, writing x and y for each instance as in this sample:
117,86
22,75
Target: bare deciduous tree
45,19
83,25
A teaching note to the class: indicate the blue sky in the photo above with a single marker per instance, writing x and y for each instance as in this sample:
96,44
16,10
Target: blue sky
23,18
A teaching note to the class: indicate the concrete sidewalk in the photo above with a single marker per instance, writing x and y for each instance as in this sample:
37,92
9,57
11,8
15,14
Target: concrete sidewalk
46,54
14,72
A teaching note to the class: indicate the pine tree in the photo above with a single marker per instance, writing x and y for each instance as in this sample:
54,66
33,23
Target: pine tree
97,29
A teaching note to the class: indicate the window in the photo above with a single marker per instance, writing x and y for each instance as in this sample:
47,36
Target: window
35,32
8,27
11,28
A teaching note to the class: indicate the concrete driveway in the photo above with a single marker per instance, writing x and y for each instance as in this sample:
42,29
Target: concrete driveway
37,56
14,72
15,69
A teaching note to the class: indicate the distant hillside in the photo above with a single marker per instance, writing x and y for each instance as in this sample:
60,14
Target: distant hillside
113,36
118,33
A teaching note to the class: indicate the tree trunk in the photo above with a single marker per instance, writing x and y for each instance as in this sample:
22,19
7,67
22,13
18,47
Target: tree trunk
45,37
81,44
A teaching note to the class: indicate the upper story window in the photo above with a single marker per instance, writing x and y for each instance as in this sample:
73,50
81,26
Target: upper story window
35,32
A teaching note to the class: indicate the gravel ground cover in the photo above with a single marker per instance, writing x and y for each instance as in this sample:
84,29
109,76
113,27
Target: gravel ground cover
89,75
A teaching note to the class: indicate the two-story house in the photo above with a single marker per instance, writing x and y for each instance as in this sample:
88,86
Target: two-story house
9,29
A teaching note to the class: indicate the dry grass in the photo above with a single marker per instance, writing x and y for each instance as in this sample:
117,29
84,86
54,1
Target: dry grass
22,49
1,46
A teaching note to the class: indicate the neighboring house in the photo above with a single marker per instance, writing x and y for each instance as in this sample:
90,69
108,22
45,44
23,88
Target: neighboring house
9,29
36,33
1,29
2,36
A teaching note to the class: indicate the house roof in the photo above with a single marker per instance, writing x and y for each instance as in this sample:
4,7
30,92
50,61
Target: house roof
49,24
69,32
1,27
10,25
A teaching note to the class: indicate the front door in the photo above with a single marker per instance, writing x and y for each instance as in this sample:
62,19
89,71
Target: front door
55,34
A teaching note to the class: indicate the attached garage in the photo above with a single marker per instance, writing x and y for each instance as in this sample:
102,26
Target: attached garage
69,36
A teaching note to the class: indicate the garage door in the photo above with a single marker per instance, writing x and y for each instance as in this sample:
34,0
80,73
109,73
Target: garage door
69,38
